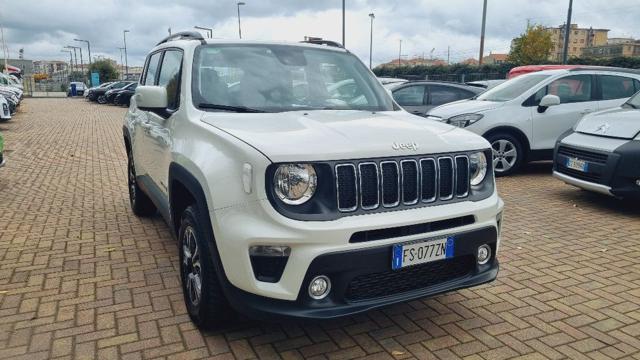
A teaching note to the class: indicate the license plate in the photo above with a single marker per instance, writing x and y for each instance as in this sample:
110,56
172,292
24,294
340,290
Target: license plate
577,164
422,252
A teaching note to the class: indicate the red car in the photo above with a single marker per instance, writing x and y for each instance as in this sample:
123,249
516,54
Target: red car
521,70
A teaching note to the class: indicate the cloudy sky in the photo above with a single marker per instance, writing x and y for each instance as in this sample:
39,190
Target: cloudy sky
43,27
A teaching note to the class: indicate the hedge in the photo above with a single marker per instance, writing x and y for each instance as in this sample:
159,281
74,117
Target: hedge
421,71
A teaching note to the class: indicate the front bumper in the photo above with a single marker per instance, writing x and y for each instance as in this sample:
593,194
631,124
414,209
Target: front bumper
363,280
614,171
311,240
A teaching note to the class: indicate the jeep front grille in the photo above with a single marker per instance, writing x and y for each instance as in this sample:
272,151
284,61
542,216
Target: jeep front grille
369,185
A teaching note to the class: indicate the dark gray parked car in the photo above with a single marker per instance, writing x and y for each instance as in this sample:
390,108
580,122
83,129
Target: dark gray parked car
419,96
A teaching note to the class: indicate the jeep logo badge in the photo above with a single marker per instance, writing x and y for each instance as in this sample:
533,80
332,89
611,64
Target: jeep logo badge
405,146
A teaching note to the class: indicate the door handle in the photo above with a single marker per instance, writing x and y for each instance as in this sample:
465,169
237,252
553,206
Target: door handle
586,111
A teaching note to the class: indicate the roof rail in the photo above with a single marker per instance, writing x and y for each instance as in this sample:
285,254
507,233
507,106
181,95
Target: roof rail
186,35
606,68
321,41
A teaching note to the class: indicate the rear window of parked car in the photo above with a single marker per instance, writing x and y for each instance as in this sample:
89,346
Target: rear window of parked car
410,95
618,87
570,89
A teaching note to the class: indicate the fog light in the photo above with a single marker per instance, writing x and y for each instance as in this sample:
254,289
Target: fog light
319,287
484,254
638,182
270,250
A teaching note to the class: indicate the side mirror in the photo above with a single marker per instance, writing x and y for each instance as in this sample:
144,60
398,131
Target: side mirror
151,97
546,101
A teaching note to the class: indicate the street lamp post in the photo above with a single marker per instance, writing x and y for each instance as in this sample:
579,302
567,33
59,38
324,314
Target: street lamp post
126,61
121,64
400,52
239,28
70,58
75,55
372,16
88,47
343,26
208,30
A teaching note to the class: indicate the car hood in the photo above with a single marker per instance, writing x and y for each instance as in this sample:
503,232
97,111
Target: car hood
449,110
342,134
618,122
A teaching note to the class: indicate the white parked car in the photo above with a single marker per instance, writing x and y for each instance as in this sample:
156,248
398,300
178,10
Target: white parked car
602,152
5,110
523,117
289,199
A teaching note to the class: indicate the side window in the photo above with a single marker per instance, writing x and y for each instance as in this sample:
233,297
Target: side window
616,87
410,95
170,76
570,89
636,85
443,94
152,69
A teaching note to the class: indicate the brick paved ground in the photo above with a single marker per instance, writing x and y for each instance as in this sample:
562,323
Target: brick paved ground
81,276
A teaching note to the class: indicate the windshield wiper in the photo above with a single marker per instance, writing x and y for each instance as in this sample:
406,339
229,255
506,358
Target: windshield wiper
239,109
630,104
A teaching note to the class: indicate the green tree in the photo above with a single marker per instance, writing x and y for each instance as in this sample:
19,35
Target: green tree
105,68
533,47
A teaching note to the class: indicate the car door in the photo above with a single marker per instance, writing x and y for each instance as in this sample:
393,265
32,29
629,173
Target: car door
412,98
615,90
160,123
140,119
577,95
442,94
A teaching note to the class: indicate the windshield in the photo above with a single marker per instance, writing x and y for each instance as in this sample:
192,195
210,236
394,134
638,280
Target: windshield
634,101
513,88
276,78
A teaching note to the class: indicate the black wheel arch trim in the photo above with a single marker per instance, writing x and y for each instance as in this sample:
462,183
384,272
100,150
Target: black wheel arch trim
179,173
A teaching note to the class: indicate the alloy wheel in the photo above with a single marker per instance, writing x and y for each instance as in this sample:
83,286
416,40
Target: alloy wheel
132,180
505,155
191,266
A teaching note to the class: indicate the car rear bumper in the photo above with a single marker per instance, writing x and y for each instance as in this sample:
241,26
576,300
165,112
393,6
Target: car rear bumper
362,279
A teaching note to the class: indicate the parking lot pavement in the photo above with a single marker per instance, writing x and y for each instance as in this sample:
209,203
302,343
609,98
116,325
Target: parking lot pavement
81,276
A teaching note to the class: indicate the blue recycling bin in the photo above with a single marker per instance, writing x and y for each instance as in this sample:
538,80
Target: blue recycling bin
74,91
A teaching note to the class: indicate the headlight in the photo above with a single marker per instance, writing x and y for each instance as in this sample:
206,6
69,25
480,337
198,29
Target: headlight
477,168
295,184
464,120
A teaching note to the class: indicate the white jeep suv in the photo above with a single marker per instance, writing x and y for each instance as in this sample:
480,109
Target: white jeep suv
288,199
523,117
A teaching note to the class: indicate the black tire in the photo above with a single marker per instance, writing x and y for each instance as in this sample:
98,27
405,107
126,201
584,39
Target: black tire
210,309
141,204
503,144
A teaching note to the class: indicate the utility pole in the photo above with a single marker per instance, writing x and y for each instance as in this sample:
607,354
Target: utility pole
448,54
343,24
126,61
484,22
400,52
372,16
567,30
4,51
239,28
